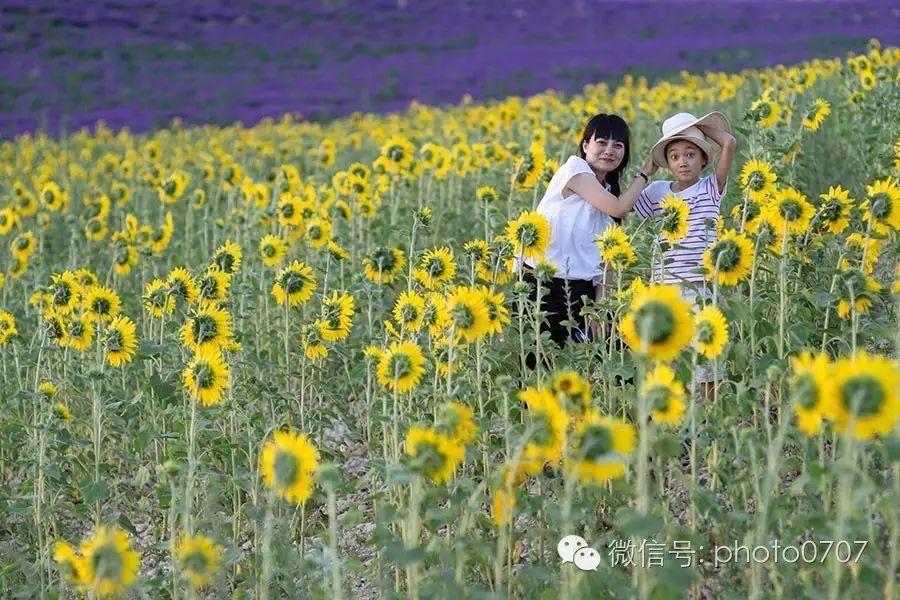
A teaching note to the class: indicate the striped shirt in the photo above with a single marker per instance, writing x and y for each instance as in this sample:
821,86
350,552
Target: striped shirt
685,263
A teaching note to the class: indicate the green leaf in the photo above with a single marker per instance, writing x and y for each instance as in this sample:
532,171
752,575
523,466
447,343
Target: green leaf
634,524
94,491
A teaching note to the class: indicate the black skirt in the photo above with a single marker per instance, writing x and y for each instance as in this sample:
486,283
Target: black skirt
559,304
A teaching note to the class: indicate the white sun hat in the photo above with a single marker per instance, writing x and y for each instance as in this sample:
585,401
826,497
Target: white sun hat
684,126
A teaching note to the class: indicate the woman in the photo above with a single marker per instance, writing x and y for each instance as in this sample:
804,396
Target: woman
582,199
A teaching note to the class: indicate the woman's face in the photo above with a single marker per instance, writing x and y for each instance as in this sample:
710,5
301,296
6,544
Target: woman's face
603,154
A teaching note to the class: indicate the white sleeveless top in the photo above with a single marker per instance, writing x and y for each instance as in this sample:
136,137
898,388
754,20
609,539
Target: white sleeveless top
574,223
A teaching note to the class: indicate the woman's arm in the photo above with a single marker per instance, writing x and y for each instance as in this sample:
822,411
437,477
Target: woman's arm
589,188
728,144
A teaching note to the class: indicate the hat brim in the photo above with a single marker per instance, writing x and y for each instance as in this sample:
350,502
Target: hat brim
713,120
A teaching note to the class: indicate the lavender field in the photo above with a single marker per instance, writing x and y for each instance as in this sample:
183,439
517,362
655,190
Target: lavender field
139,63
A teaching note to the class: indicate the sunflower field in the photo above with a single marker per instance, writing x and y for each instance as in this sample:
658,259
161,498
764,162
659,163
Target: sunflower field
292,360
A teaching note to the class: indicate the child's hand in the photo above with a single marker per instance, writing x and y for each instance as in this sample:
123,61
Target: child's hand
719,136
649,167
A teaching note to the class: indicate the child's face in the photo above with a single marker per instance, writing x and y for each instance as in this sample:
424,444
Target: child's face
604,155
686,160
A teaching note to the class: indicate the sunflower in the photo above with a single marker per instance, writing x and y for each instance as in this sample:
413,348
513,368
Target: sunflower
79,332
487,194
610,238
573,389
790,211
457,422
227,258
313,342
318,232
206,376
409,310
810,385
619,257
54,326
23,245
53,198
120,341
109,564
758,180
436,268
469,315
437,314
337,316
498,316
673,218
601,447
200,558
401,366
820,109
182,285
665,395
855,287
158,299
833,213
729,258
765,112
337,252
502,505
294,284
433,454
207,326
529,234
530,166
384,265
8,219
7,327
288,463
882,207
658,322
290,211
864,398
711,332
549,420
867,80
101,303
212,286
64,291
272,250
398,153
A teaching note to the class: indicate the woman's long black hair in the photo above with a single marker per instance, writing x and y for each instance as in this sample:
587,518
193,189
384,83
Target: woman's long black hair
608,127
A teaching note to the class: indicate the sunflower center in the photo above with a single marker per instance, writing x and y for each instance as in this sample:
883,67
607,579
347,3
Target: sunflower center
76,329
726,255
831,210
462,316
399,365
209,287
158,297
527,234
655,322
107,562
205,328
61,294
101,306
705,332
287,210
659,396
384,259
408,313
435,267
596,442
195,562
203,375
115,340
225,261
881,206
293,282
805,391
269,250
54,329
428,457
395,153
756,181
789,209
671,220
863,395
287,468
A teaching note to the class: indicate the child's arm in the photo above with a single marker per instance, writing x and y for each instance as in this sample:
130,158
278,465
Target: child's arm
728,144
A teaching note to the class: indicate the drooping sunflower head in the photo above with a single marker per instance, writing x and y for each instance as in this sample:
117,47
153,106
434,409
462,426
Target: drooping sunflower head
110,565
864,399
457,422
64,291
432,454
664,395
227,258
833,213
601,447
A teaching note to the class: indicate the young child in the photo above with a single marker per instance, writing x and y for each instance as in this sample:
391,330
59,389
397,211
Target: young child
688,146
